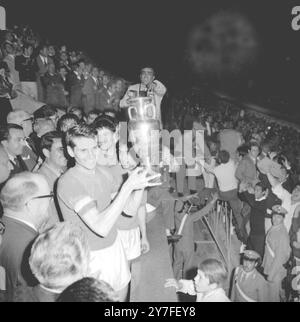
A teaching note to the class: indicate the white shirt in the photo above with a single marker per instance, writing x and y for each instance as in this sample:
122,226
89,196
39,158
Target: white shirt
159,93
216,295
44,60
225,174
286,199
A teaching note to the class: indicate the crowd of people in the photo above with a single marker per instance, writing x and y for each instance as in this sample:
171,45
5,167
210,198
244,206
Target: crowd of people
53,75
74,198
253,162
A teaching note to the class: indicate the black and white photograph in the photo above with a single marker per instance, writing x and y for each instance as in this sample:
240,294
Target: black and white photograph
149,153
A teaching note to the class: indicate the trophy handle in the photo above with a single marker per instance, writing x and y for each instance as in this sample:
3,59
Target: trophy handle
130,113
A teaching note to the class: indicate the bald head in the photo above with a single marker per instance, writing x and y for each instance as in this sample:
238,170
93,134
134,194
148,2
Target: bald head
21,188
43,126
23,119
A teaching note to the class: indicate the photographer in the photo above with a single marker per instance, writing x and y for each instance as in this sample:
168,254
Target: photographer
149,86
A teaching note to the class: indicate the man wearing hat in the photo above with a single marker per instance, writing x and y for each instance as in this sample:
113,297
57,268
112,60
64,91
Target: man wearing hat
248,284
277,253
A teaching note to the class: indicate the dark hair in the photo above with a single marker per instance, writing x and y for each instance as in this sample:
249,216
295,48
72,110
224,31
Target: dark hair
44,112
242,150
88,290
3,65
148,68
41,47
27,45
105,122
65,118
93,112
73,109
4,130
263,186
253,143
111,83
80,130
48,139
224,156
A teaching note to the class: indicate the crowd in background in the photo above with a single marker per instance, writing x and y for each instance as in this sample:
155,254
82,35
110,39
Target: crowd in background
55,75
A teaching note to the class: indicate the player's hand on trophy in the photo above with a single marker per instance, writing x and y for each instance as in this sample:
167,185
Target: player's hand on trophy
140,179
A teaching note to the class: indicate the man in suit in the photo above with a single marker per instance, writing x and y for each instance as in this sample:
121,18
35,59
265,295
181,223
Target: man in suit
54,166
108,99
13,140
76,83
30,153
90,91
246,171
42,61
27,69
25,199
149,86
10,60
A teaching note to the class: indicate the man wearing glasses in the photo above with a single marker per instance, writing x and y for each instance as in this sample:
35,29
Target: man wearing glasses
25,199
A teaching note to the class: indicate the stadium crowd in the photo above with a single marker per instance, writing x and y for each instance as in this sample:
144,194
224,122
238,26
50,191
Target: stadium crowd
75,199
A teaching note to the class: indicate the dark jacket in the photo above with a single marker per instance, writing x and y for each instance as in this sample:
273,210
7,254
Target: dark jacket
14,254
27,68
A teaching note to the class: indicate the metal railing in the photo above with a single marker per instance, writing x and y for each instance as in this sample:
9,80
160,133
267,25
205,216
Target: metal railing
218,222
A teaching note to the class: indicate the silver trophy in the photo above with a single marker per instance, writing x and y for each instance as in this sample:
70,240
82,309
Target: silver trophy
144,130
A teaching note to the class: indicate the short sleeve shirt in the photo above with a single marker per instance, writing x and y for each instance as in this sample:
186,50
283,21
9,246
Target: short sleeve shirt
79,193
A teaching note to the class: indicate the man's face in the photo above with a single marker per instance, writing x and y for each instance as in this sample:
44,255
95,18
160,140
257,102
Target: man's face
147,76
57,155
113,88
105,79
44,51
85,152
29,51
63,72
67,125
91,118
258,192
249,265
81,67
63,56
254,151
5,166
201,282
51,50
27,126
15,142
296,194
277,219
106,139
119,85
78,113
95,72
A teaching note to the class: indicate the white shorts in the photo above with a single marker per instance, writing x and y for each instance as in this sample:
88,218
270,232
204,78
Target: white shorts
2,279
131,240
110,265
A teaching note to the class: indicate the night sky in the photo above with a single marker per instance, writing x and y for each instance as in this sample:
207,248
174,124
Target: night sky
123,35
